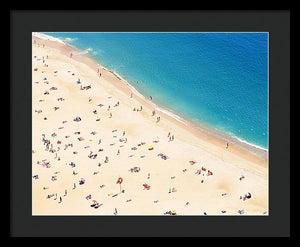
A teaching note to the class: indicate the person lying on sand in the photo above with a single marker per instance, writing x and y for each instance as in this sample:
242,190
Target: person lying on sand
146,187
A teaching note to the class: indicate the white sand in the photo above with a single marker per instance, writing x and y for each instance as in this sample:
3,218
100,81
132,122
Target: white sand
227,165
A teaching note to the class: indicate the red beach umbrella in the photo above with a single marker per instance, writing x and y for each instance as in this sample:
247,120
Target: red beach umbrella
120,180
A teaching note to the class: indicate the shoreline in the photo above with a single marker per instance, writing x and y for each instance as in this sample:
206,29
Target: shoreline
166,165
218,138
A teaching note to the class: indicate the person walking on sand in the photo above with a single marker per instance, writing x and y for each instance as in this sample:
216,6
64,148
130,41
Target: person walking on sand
66,192
227,145
71,55
99,141
60,200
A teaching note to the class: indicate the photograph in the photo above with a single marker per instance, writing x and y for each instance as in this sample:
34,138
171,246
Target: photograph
150,123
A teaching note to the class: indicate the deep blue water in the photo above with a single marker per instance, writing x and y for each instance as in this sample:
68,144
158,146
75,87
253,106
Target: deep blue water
216,79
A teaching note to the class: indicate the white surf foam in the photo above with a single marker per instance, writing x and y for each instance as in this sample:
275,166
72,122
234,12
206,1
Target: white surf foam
47,37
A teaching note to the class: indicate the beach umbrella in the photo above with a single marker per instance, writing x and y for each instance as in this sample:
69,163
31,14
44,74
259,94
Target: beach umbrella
82,179
120,180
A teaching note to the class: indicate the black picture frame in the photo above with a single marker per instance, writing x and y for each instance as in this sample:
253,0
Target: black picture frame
276,23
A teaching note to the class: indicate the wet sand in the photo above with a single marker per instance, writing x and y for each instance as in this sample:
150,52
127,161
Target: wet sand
59,98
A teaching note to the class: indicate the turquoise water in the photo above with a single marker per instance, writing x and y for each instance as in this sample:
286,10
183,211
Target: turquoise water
216,79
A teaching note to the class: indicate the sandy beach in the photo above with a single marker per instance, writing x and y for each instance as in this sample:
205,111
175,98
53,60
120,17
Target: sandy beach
90,128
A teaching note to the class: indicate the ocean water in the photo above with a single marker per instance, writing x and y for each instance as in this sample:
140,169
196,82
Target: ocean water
219,80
